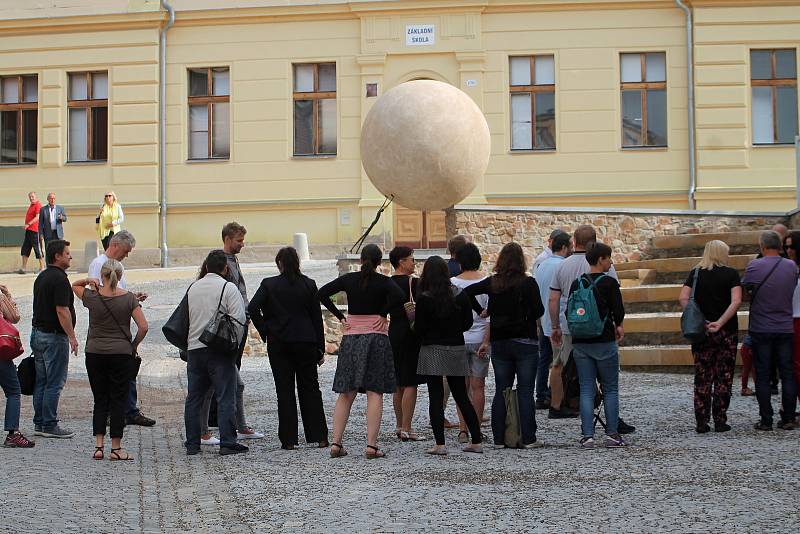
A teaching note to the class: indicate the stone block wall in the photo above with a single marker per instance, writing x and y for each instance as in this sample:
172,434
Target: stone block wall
628,232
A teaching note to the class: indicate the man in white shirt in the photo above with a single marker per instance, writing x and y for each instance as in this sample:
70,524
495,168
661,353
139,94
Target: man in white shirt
51,219
205,366
547,252
121,244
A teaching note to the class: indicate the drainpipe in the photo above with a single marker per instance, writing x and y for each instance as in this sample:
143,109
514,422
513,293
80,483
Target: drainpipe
162,163
690,79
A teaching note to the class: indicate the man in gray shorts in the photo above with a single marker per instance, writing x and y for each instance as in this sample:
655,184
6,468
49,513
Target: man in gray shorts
570,269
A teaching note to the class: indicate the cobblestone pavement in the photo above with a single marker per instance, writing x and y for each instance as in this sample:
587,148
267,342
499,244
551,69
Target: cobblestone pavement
670,479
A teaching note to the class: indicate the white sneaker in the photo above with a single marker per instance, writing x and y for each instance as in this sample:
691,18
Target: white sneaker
210,441
248,433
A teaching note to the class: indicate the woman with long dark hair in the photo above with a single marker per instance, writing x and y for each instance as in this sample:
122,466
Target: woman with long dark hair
285,311
443,313
514,307
365,362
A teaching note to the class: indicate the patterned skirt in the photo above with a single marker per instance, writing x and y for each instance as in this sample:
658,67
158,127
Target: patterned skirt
443,360
365,363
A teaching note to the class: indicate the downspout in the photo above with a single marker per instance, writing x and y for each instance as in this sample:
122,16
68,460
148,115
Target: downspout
690,79
162,160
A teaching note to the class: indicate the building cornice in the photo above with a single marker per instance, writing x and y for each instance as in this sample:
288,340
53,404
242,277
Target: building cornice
72,24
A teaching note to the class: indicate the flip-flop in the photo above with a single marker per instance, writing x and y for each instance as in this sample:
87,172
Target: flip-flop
436,452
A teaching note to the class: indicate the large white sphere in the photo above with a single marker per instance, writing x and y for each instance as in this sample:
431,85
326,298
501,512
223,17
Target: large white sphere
426,143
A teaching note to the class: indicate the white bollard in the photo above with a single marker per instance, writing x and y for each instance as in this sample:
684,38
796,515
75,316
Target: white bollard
300,243
90,252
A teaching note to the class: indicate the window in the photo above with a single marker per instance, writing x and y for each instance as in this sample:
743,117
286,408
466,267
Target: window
88,116
209,113
643,85
18,119
315,109
533,102
773,75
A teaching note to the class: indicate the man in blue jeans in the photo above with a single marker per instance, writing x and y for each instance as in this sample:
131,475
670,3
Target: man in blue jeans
52,338
771,280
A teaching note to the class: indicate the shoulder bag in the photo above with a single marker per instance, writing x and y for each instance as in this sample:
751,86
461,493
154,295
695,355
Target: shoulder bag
10,342
176,329
26,373
410,307
222,333
693,322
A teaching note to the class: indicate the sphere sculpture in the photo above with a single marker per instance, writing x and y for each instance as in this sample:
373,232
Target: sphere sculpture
425,143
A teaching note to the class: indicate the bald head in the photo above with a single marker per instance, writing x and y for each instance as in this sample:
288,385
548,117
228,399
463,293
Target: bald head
781,230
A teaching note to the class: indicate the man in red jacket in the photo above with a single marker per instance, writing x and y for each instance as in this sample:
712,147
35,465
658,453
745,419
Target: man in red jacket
31,241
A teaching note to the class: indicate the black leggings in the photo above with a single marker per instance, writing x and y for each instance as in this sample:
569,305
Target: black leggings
458,387
109,378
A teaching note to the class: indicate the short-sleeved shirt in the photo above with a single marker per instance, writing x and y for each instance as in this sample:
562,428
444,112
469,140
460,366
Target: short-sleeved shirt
33,211
109,323
771,311
51,289
569,271
544,277
477,332
96,266
713,293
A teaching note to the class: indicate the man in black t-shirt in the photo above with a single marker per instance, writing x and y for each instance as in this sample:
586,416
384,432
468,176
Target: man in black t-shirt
52,338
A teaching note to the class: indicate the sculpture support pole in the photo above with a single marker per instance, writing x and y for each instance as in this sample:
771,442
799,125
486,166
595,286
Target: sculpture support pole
357,246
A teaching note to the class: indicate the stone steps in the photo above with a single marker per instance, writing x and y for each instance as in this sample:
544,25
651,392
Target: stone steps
693,244
661,328
662,355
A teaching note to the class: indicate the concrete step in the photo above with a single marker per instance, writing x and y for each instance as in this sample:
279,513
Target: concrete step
662,328
681,265
632,277
657,298
685,241
665,355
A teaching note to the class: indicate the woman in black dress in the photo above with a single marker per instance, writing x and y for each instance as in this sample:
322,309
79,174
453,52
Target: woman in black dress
285,311
405,344
365,362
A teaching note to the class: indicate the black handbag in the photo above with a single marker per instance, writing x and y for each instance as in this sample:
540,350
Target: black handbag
693,322
26,373
222,333
176,329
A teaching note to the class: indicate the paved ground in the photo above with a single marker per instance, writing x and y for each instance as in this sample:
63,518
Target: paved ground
670,479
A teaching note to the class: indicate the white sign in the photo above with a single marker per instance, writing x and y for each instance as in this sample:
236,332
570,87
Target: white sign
420,35
472,83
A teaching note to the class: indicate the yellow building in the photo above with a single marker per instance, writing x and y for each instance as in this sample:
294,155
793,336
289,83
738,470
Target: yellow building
586,100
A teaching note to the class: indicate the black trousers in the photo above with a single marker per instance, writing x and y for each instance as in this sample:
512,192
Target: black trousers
292,362
458,387
109,378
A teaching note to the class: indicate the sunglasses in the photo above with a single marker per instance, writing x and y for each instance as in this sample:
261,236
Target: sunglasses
109,196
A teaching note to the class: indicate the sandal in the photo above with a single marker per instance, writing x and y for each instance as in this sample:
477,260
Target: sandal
474,448
747,392
410,436
463,437
448,424
374,452
96,450
339,452
399,433
115,455
437,451
323,444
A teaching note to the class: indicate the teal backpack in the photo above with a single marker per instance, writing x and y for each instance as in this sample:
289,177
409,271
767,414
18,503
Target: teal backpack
583,316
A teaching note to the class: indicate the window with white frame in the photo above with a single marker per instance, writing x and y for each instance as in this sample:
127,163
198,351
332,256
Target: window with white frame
209,113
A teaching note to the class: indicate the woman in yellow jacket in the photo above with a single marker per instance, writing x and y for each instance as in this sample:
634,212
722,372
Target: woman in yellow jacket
109,219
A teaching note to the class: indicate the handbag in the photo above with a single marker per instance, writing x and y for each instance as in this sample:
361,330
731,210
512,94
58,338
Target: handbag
693,322
222,331
410,307
176,329
10,343
512,437
26,373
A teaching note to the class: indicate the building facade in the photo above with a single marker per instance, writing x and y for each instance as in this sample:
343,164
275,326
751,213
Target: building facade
586,101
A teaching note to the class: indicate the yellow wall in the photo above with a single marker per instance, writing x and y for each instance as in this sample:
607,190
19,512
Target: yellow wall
275,194
131,59
733,174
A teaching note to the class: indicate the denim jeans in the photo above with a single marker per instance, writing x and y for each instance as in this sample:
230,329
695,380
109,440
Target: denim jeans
543,370
770,350
204,369
514,359
132,400
10,385
51,356
241,422
595,360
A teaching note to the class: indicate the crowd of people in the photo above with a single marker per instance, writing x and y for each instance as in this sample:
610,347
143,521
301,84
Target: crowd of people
550,334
